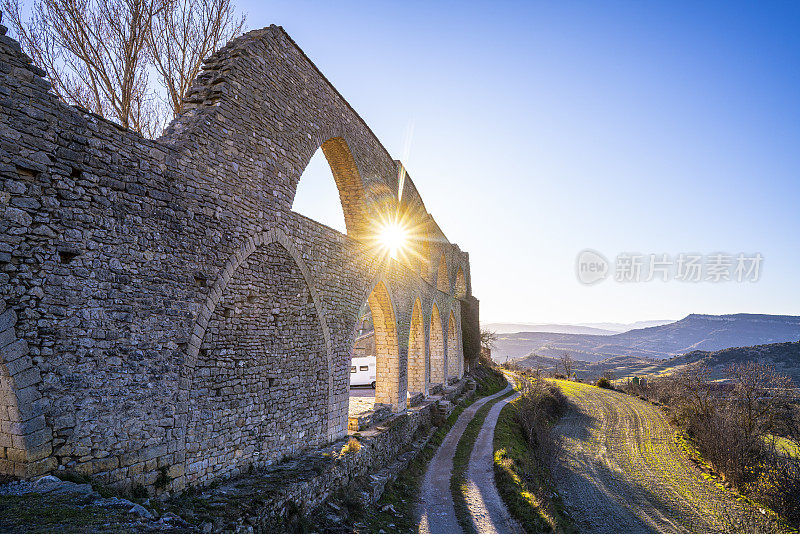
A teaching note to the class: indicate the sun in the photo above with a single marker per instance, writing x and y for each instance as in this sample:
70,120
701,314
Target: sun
393,237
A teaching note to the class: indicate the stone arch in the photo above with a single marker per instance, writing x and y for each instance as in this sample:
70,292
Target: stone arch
25,439
436,344
460,284
251,244
442,280
273,235
417,366
263,341
453,346
348,181
387,354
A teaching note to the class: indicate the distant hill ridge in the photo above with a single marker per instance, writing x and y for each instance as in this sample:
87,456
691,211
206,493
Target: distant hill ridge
785,357
754,317
693,332
580,328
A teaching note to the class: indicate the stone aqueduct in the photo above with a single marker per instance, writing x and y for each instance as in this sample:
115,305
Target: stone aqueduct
162,306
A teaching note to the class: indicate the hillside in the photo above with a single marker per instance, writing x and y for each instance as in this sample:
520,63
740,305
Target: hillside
784,356
694,332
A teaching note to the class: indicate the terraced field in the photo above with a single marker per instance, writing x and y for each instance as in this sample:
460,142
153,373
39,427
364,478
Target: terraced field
623,470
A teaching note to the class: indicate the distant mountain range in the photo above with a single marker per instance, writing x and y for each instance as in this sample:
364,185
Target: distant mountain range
784,356
694,332
601,329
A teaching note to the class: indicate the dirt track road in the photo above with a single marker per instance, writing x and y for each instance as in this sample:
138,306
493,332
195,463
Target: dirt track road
487,510
622,470
436,510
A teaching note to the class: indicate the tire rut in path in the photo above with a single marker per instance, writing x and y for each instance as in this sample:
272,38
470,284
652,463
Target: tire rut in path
487,510
436,510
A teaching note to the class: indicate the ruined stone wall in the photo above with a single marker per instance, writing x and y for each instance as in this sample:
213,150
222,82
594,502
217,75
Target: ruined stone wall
161,306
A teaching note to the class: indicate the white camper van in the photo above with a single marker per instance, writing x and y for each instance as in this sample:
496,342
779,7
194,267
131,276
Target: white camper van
362,371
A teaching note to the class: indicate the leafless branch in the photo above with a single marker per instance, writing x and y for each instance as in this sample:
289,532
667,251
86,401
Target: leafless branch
97,53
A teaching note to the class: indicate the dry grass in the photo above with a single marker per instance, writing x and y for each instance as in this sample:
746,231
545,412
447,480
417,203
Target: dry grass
352,446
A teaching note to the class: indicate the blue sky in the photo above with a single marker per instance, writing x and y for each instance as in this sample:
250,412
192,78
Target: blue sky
540,129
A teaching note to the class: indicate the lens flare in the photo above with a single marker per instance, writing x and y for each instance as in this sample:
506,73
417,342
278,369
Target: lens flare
393,237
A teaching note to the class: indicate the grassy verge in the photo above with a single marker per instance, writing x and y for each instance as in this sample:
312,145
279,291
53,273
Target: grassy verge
401,494
711,474
756,516
458,480
524,482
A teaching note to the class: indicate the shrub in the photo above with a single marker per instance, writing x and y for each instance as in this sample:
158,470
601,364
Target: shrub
604,383
541,403
163,478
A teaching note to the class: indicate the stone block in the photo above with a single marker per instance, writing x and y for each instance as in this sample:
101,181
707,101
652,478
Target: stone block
27,377
13,351
7,320
105,464
175,471
7,337
16,455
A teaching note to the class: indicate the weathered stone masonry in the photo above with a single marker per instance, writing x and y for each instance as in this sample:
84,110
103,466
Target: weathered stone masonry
162,308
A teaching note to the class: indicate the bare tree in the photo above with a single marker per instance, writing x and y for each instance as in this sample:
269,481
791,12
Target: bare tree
183,36
488,342
488,339
94,52
567,363
97,53
692,385
760,394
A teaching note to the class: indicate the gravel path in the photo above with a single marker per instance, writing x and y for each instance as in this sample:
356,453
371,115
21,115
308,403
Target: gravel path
623,472
489,513
436,511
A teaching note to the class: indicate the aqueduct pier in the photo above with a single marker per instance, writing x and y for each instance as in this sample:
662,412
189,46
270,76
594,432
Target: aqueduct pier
162,307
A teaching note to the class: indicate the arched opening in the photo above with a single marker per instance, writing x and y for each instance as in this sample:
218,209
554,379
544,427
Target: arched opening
12,427
25,437
387,375
316,194
315,189
259,389
416,352
442,280
363,365
460,286
453,349
437,348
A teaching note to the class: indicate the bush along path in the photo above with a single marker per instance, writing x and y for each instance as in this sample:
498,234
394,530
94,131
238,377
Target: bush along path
436,509
478,505
525,452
